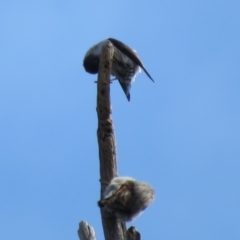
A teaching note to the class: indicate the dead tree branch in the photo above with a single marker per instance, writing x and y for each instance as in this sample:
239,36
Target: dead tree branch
85,231
113,229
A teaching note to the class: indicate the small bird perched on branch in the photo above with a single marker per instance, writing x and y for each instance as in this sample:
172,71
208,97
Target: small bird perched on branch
125,66
126,197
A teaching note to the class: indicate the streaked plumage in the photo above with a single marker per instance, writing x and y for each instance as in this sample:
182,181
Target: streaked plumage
126,64
126,197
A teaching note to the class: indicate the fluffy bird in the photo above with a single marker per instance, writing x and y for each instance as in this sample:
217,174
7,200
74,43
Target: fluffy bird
126,197
125,66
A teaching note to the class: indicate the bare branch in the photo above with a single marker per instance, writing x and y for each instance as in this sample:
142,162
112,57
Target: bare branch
85,231
133,234
113,228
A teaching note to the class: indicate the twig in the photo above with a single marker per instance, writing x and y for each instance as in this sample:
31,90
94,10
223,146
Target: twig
85,231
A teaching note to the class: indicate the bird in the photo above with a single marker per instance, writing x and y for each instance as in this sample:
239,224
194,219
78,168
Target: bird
125,65
126,198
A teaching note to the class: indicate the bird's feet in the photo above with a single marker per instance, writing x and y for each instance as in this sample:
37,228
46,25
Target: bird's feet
111,80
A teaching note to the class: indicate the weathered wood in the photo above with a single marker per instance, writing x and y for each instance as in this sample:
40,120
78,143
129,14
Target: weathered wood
105,132
85,231
113,228
133,234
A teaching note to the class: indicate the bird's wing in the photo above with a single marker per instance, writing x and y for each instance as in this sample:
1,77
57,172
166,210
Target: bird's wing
129,53
126,88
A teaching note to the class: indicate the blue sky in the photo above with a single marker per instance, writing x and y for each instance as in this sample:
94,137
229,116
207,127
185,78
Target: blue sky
181,134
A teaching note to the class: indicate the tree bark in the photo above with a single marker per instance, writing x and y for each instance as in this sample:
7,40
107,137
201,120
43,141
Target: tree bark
85,231
113,228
